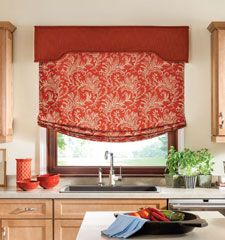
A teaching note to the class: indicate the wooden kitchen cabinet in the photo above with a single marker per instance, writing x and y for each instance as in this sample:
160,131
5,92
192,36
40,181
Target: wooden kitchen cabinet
69,213
66,229
217,30
27,229
6,96
26,219
58,219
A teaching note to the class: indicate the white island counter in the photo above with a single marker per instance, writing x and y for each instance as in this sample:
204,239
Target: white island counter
95,222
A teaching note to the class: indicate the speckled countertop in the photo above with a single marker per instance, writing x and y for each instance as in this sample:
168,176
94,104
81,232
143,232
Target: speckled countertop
12,192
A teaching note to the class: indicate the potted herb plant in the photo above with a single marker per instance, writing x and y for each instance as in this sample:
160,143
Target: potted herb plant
205,167
188,168
172,178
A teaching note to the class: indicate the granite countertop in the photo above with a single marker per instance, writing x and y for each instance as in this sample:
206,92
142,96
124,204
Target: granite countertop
102,220
12,192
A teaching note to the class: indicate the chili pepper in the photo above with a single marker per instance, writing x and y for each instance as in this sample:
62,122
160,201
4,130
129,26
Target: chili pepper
157,211
153,219
157,214
159,217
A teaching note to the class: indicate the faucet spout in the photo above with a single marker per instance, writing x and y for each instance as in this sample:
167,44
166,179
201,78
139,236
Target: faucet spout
109,154
112,177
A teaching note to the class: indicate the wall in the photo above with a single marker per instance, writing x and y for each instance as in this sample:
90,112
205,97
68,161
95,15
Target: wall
27,13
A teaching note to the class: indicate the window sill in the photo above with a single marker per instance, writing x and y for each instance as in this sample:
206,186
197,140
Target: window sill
93,171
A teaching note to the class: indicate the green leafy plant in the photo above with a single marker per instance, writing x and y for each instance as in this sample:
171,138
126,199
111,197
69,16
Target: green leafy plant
188,163
172,162
61,141
204,160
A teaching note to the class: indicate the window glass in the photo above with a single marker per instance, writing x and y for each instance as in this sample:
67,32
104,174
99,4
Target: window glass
78,152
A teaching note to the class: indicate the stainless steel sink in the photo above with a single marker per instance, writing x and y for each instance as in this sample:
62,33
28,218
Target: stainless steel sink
94,188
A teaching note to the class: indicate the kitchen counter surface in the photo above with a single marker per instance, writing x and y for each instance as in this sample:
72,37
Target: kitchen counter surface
102,220
11,192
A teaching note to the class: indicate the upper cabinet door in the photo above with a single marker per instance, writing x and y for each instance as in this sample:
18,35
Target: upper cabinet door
217,30
6,95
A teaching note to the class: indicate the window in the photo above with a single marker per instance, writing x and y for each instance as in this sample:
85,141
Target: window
68,155
78,152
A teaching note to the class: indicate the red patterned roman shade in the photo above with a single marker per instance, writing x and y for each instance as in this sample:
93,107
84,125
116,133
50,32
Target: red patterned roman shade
112,96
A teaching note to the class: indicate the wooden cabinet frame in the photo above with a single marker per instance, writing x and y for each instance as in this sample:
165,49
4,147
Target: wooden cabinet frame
6,96
217,30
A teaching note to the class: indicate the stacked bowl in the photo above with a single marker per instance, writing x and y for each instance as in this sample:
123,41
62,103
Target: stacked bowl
46,181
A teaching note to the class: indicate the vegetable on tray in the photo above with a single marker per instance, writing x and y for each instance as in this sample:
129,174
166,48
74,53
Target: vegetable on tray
156,215
173,216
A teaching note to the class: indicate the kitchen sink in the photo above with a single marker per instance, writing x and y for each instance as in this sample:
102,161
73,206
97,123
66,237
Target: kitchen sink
94,188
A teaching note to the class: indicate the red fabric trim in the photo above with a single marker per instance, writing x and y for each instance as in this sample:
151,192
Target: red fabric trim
104,137
170,43
113,97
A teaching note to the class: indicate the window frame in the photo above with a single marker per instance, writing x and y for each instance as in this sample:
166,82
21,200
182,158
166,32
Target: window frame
85,171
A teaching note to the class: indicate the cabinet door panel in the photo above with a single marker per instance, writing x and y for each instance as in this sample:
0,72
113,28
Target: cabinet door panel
76,208
66,229
27,229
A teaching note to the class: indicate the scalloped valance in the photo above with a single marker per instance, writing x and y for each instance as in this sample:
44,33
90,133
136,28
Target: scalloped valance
168,42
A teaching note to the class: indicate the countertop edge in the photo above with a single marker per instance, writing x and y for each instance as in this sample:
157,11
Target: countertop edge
165,193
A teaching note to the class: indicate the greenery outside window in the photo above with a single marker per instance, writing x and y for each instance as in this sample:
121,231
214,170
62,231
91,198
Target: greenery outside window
69,155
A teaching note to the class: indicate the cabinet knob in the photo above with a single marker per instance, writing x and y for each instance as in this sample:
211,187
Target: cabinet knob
221,116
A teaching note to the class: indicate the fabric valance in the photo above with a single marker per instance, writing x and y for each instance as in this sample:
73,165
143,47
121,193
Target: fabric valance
168,42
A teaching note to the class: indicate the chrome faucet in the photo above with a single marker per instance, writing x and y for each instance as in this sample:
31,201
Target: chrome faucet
112,177
100,182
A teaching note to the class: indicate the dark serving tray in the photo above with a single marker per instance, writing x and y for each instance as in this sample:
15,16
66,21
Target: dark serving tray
174,227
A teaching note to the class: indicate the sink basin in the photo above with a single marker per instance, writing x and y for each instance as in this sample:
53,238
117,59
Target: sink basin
94,188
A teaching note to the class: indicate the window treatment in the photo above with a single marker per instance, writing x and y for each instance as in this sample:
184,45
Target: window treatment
169,42
117,97
111,83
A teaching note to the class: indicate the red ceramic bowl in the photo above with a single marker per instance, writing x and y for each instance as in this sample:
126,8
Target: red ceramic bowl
27,184
48,180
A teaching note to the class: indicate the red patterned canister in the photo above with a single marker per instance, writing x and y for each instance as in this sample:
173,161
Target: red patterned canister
23,169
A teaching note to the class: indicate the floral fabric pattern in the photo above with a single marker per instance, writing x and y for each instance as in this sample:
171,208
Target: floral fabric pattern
115,97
